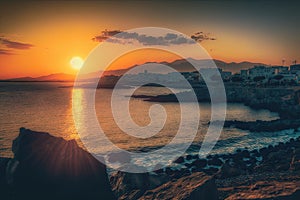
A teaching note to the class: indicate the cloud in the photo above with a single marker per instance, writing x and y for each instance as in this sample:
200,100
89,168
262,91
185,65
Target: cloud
5,52
123,37
105,35
201,36
133,37
15,45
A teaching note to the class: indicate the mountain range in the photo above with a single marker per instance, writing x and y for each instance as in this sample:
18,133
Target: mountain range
181,65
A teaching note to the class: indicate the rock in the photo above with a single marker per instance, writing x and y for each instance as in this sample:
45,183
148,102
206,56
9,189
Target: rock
276,161
264,151
200,163
179,160
157,180
228,171
295,163
158,168
211,170
197,186
215,161
4,187
169,171
125,183
180,173
255,153
188,165
245,154
47,167
189,157
133,185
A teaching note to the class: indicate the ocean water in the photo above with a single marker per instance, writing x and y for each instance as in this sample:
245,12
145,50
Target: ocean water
47,107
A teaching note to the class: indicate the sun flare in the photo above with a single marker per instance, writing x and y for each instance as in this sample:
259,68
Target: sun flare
76,62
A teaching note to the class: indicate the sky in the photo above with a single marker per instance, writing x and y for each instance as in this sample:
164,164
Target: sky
40,38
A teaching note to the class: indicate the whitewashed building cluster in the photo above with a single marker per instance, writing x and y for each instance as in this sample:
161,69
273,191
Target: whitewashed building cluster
273,74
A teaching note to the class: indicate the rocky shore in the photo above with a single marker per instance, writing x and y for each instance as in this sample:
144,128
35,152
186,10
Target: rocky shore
47,167
272,172
284,101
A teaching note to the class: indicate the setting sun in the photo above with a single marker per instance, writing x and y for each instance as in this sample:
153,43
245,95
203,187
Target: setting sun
76,62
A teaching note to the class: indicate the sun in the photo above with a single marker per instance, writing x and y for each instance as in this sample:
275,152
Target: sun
76,62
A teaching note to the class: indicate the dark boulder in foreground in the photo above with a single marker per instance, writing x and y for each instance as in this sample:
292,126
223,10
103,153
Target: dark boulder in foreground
47,167
4,188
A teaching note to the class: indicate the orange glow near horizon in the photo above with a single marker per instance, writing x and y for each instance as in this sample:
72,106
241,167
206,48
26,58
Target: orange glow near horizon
53,51
54,46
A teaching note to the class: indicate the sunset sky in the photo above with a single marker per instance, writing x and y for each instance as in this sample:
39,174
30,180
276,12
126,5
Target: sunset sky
40,38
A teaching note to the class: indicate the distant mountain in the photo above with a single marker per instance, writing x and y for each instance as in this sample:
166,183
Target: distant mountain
57,77
27,78
51,77
235,67
181,65
184,65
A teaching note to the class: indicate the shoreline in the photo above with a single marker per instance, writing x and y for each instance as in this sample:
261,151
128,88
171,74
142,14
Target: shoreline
229,176
284,101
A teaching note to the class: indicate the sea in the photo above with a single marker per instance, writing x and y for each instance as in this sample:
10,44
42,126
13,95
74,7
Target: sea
47,107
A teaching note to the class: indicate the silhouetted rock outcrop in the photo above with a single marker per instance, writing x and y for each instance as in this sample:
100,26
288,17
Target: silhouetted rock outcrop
47,167
4,188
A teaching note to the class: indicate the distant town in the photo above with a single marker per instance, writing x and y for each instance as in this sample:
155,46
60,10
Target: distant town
255,76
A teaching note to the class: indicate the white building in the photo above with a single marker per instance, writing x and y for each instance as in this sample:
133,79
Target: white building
289,78
245,73
261,71
295,68
280,69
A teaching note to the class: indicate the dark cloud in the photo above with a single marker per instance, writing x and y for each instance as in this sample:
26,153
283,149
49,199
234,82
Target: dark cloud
15,45
117,36
131,37
5,52
105,35
201,36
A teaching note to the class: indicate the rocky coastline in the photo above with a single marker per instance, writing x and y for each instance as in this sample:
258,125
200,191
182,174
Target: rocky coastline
272,172
47,167
284,101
